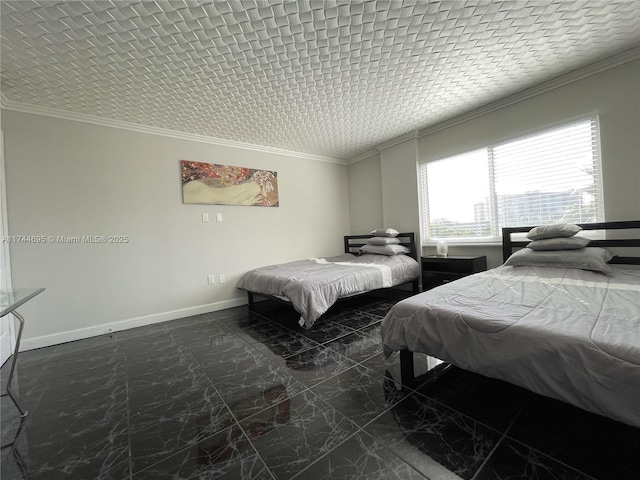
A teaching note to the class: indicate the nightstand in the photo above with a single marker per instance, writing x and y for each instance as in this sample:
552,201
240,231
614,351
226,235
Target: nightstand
438,270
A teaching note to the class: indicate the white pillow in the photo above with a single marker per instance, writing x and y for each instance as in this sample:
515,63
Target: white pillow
570,243
589,258
385,232
383,241
385,249
553,231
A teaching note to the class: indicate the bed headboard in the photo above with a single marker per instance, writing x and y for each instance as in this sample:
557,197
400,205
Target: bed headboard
352,243
508,244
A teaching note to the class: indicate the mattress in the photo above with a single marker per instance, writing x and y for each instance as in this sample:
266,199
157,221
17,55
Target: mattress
313,285
569,334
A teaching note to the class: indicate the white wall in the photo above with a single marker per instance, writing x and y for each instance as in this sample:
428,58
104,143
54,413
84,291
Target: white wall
613,94
399,184
365,195
378,190
69,178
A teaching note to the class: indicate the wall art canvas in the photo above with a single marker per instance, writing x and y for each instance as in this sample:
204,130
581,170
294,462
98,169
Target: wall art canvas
211,183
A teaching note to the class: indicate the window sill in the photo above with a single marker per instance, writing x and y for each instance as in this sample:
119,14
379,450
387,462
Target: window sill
462,243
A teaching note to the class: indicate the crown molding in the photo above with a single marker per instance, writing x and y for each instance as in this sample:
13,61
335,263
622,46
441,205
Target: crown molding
362,156
560,81
164,132
395,141
544,87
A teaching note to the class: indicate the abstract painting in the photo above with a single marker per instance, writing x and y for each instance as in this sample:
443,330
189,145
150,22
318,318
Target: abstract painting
211,183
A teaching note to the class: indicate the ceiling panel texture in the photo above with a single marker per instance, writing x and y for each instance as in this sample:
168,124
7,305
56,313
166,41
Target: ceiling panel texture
330,78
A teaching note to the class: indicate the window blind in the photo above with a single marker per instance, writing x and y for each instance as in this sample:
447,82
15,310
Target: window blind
552,176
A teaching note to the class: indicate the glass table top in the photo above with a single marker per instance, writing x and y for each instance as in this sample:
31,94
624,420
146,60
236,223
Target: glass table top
13,298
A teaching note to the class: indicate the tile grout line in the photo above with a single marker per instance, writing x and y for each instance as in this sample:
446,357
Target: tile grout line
210,383
310,389
359,429
126,386
540,452
495,447
237,423
246,435
232,425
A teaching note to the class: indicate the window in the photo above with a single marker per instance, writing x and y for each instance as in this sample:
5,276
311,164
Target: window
549,177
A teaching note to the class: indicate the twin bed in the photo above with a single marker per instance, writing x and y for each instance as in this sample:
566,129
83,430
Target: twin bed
559,330
312,286
568,329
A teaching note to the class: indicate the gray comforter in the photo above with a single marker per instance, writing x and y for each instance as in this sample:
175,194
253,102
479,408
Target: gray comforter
564,333
313,285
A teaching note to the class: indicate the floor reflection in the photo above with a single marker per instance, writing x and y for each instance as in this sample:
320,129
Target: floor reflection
264,411
234,395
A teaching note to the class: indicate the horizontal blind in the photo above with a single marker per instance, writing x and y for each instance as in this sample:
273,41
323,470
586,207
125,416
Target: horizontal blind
550,177
457,188
425,225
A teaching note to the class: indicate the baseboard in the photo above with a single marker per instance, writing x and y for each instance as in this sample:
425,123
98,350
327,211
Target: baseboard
94,331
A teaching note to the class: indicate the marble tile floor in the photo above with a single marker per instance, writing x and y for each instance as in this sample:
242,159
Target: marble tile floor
241,395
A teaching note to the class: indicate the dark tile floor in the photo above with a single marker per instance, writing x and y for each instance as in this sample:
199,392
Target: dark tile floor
232,395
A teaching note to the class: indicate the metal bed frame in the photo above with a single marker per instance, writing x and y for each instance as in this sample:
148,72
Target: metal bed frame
352,244
407,372
508,244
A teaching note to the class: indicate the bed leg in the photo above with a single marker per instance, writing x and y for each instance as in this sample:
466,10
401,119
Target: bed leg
250,299
407,374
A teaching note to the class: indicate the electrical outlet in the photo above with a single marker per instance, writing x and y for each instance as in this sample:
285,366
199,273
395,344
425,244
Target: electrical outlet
218,217
205,217
222,279
211,279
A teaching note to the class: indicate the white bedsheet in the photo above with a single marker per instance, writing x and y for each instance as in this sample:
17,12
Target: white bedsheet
564,333
313,285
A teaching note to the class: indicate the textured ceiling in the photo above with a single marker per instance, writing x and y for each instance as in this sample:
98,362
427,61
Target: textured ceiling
332,78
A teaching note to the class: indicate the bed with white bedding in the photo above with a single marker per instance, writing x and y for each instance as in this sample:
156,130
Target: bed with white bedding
567,333
314,285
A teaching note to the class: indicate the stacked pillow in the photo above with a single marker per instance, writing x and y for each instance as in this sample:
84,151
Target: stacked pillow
557,246
556,237
384,242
